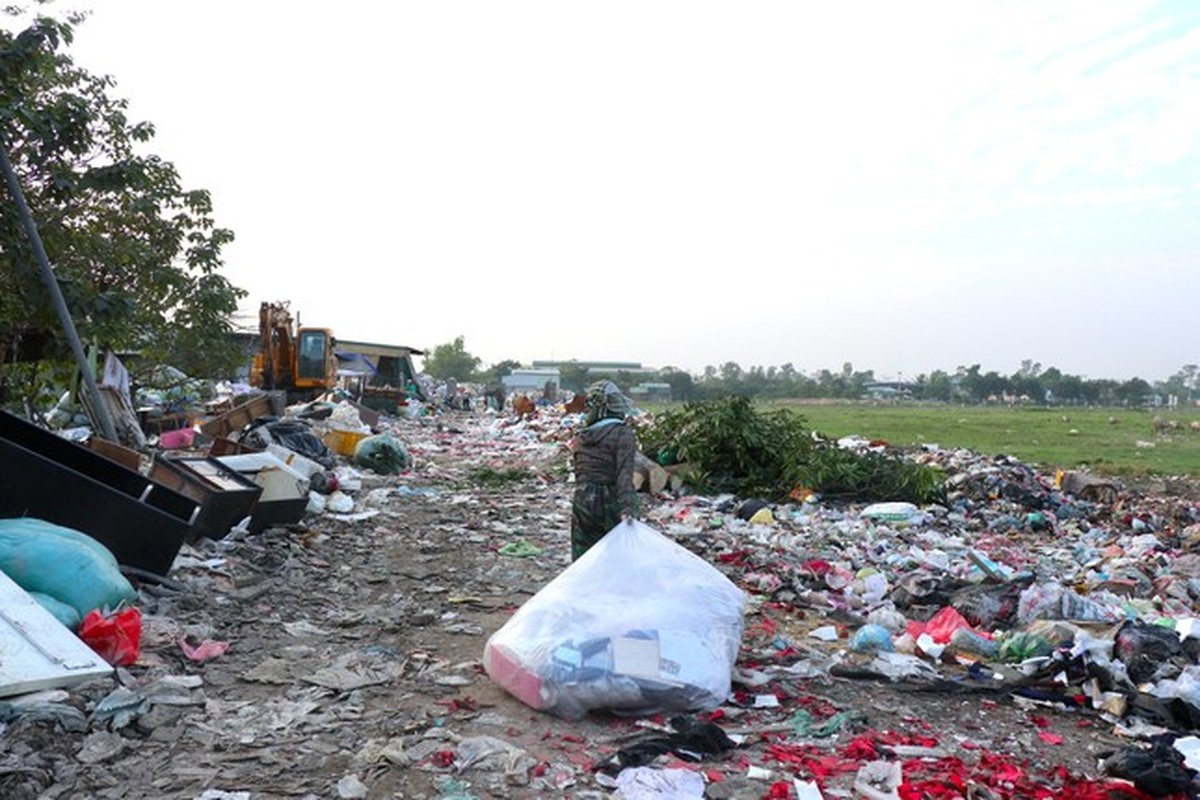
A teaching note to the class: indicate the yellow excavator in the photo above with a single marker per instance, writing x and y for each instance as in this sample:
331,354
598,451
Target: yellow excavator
298,360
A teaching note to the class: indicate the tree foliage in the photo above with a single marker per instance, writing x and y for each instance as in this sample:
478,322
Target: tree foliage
497,371
451,360
136,254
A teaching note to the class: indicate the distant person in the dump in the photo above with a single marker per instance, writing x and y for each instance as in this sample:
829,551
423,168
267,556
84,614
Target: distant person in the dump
493,397
602,455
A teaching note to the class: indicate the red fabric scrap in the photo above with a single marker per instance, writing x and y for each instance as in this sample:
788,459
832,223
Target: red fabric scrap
861,748
817,567
1050,738
780,790
810,760
456,704
951,779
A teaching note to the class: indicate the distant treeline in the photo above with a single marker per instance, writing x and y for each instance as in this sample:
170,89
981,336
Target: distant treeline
1030,384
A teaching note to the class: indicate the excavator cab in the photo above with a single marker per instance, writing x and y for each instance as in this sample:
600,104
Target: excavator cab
314,359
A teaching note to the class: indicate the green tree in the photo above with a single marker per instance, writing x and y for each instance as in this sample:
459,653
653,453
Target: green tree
1027,381
137,256
680,381
939,386
451,360
1133,392
1182,384
574,377
498,370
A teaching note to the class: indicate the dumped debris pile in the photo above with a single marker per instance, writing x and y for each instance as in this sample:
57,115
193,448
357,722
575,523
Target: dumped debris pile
1015,640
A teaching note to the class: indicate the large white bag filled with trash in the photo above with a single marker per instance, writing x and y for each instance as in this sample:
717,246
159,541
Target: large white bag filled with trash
636,625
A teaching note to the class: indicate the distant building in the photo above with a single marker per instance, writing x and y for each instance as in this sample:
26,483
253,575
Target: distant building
385,364
531,380
888,390
623,372
651,393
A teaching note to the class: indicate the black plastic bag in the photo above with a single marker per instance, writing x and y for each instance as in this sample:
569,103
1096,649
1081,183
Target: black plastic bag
295,436
1158,771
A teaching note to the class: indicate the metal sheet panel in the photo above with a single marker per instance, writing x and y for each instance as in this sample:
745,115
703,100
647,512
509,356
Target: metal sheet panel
36,650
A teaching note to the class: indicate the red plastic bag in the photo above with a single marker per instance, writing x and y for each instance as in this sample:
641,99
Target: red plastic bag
114,638
942,625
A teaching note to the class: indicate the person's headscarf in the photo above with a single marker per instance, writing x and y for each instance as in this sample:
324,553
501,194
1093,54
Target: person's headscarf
605,401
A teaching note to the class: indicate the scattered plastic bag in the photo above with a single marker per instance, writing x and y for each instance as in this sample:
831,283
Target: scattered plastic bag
941,626
340,503
294,435
1158,772
871,638
906,513
1149,652
647,783
638,624
382,453
116,637
1052,601
345,417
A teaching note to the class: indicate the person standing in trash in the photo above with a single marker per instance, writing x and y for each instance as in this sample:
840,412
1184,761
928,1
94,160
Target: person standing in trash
602,456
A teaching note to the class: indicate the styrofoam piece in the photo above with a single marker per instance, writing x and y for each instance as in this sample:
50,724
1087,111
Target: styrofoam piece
36,650
302,464
279,481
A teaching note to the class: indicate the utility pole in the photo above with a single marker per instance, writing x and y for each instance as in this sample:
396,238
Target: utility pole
60,305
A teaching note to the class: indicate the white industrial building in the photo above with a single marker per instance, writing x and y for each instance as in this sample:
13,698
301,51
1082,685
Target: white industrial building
531,380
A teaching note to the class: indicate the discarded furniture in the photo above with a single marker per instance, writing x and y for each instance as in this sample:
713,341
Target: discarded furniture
238,417
43,475
225,496
284,489
125,456
221,446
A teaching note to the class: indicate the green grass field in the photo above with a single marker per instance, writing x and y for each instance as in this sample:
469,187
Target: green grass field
1066,438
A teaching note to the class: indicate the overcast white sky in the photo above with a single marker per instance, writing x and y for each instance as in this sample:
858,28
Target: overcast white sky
904,186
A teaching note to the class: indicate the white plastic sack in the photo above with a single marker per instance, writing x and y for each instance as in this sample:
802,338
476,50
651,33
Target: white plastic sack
637,625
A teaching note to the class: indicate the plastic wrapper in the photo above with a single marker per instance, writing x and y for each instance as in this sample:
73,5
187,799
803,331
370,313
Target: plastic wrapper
637,625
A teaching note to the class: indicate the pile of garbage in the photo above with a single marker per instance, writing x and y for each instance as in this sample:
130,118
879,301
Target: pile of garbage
1064,595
